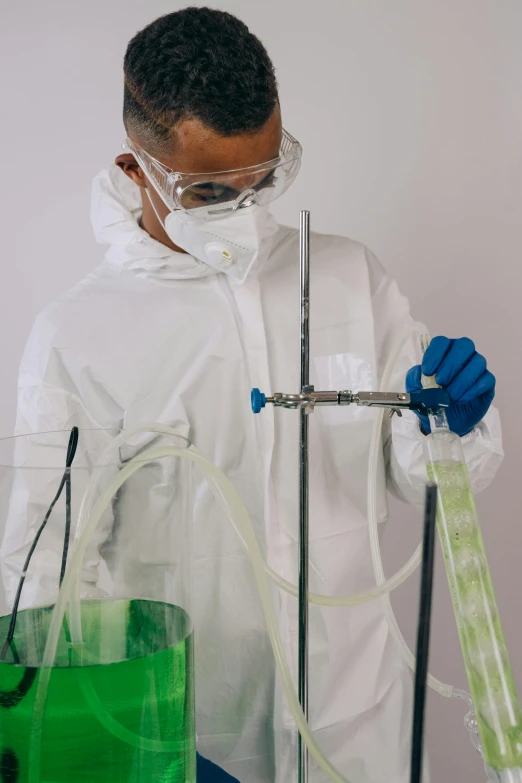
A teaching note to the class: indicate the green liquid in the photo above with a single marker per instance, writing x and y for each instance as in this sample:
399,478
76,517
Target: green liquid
482,640
120,707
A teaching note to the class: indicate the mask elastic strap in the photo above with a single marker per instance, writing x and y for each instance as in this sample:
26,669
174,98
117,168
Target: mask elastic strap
162,223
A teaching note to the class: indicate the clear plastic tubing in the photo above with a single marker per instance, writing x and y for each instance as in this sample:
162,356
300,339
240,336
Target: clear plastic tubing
484,649
383,586
373,526
90,517
68,596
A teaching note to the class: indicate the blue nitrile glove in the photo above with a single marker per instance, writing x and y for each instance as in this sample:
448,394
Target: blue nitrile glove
207,772
463,372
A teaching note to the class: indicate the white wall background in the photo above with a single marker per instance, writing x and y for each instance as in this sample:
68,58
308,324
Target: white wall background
410,114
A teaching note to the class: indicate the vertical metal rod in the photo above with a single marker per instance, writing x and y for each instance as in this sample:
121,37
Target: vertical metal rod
304,261
423,634
304,258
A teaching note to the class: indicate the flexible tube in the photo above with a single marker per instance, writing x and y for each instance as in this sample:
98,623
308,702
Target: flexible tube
359,598
113,726
70,588
240,514
383,587
373,529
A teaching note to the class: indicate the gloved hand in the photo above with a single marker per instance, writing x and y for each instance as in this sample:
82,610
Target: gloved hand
207,772
463,372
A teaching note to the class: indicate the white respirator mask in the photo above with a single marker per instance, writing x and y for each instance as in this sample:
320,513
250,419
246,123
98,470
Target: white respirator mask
222,218
230,244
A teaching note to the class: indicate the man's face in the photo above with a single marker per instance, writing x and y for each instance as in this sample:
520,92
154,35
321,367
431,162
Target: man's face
198,149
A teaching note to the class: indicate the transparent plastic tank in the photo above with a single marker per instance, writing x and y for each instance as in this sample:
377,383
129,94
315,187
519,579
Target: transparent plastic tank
119,704
490,677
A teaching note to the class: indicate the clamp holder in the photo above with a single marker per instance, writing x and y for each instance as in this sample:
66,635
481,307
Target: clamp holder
422,401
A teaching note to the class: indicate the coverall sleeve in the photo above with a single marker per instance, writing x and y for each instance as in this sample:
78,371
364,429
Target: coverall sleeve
48,401
402,437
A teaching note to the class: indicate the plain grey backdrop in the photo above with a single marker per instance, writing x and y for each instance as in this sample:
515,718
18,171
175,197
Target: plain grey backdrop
410,116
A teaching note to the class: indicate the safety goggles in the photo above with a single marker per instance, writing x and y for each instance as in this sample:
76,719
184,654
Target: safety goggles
223,191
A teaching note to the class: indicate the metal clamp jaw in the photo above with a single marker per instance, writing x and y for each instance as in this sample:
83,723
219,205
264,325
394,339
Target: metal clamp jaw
422,401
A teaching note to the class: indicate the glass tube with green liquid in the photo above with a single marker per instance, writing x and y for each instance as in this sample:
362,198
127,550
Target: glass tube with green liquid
489,672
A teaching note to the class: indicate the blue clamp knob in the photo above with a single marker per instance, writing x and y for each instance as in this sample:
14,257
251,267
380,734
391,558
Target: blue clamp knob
258,400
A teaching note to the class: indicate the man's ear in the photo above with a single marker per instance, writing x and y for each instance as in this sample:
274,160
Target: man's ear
127,163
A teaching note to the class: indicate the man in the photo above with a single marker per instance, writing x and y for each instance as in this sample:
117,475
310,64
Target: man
193,305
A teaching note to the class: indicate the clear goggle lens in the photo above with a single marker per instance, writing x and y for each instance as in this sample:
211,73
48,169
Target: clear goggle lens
224,191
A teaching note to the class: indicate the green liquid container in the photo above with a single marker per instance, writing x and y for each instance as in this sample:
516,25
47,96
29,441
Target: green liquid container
119,707
489,672
114,702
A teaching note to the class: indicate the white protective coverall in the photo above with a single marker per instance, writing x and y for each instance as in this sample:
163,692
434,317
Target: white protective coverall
154,335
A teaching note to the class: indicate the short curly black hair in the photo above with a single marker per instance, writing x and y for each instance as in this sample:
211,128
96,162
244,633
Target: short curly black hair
196,63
